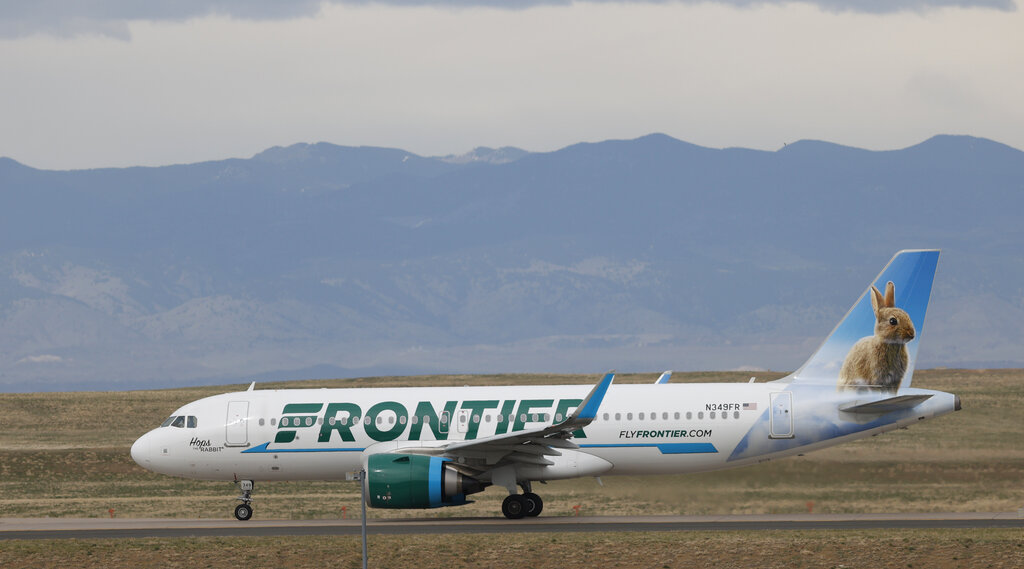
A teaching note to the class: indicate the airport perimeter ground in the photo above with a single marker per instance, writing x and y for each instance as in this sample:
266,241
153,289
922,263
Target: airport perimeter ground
67,455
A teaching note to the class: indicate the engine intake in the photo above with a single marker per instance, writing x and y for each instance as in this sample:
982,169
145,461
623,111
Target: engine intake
416,481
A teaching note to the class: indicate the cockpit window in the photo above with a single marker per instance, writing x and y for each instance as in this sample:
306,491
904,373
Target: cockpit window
168,421
178,422
191,421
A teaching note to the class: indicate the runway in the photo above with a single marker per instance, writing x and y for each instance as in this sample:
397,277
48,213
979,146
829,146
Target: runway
93,528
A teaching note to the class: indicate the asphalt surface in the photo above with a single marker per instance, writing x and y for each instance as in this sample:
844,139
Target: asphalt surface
93,528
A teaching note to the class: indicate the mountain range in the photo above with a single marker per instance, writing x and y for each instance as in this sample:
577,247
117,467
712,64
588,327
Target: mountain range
317,260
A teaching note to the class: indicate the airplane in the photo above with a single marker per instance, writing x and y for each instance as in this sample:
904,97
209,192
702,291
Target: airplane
429,447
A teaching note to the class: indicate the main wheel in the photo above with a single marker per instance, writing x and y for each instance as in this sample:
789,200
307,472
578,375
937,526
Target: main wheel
243,512
514,507
534,504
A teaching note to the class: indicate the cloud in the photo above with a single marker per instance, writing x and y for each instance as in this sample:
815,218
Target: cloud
43,359
68,18
110,18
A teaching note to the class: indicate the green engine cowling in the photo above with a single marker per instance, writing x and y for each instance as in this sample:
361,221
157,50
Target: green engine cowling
416,481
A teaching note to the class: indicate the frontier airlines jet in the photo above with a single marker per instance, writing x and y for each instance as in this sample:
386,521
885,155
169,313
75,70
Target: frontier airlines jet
428,447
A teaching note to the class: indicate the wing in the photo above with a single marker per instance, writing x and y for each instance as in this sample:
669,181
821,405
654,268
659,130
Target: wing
525,447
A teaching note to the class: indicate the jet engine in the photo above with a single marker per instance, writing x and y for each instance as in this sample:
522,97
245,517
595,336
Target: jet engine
416,481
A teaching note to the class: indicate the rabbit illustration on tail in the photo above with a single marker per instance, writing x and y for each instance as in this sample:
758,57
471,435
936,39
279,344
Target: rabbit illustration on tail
880,360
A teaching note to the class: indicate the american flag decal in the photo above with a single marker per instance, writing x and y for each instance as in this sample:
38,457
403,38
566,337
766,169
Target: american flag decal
750,406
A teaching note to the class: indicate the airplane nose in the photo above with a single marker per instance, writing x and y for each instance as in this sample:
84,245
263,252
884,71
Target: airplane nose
140,450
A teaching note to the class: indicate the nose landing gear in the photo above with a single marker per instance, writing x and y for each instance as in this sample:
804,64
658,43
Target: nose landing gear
243,511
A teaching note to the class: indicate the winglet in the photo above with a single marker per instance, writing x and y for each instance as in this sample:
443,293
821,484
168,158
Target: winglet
587,410
664,377
252,386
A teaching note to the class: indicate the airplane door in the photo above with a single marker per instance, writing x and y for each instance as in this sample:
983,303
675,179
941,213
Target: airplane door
462,421
781,418
442,426
236,427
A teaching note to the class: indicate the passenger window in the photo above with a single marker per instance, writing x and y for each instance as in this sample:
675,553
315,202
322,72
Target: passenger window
629,416
402,419
476,418
700,414
415,419
179,422
558,417
261,421
618,416
712,415
689,415
664,417
273,422
735,414
677,415
641,417
606,416
191,421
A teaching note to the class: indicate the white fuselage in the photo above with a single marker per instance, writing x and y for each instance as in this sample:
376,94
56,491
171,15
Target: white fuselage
325,434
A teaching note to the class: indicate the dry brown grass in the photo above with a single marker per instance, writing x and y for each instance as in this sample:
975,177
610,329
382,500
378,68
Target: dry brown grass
938,549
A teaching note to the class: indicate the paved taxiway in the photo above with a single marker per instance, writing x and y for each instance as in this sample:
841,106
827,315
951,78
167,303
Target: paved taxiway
76,528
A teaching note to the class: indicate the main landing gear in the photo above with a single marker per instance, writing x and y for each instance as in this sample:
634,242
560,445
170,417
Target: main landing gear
243,511
518,506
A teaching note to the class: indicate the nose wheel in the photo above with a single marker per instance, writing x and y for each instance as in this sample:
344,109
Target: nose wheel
243,511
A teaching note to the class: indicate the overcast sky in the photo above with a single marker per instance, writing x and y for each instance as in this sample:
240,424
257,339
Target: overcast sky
122,82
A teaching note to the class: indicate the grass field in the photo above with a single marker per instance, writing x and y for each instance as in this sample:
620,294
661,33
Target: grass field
66,454
908,549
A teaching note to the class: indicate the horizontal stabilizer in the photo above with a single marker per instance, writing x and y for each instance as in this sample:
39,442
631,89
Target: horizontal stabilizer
881,406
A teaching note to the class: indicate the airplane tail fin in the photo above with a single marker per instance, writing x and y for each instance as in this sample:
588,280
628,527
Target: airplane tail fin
874,346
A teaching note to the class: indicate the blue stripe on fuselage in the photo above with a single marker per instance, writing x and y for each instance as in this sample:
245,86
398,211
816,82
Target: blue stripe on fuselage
664,448
263,449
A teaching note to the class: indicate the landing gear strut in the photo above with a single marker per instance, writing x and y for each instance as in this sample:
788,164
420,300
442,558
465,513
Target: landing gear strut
243,511
518,506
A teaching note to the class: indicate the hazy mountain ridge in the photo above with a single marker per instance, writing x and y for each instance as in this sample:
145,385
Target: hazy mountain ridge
635,254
